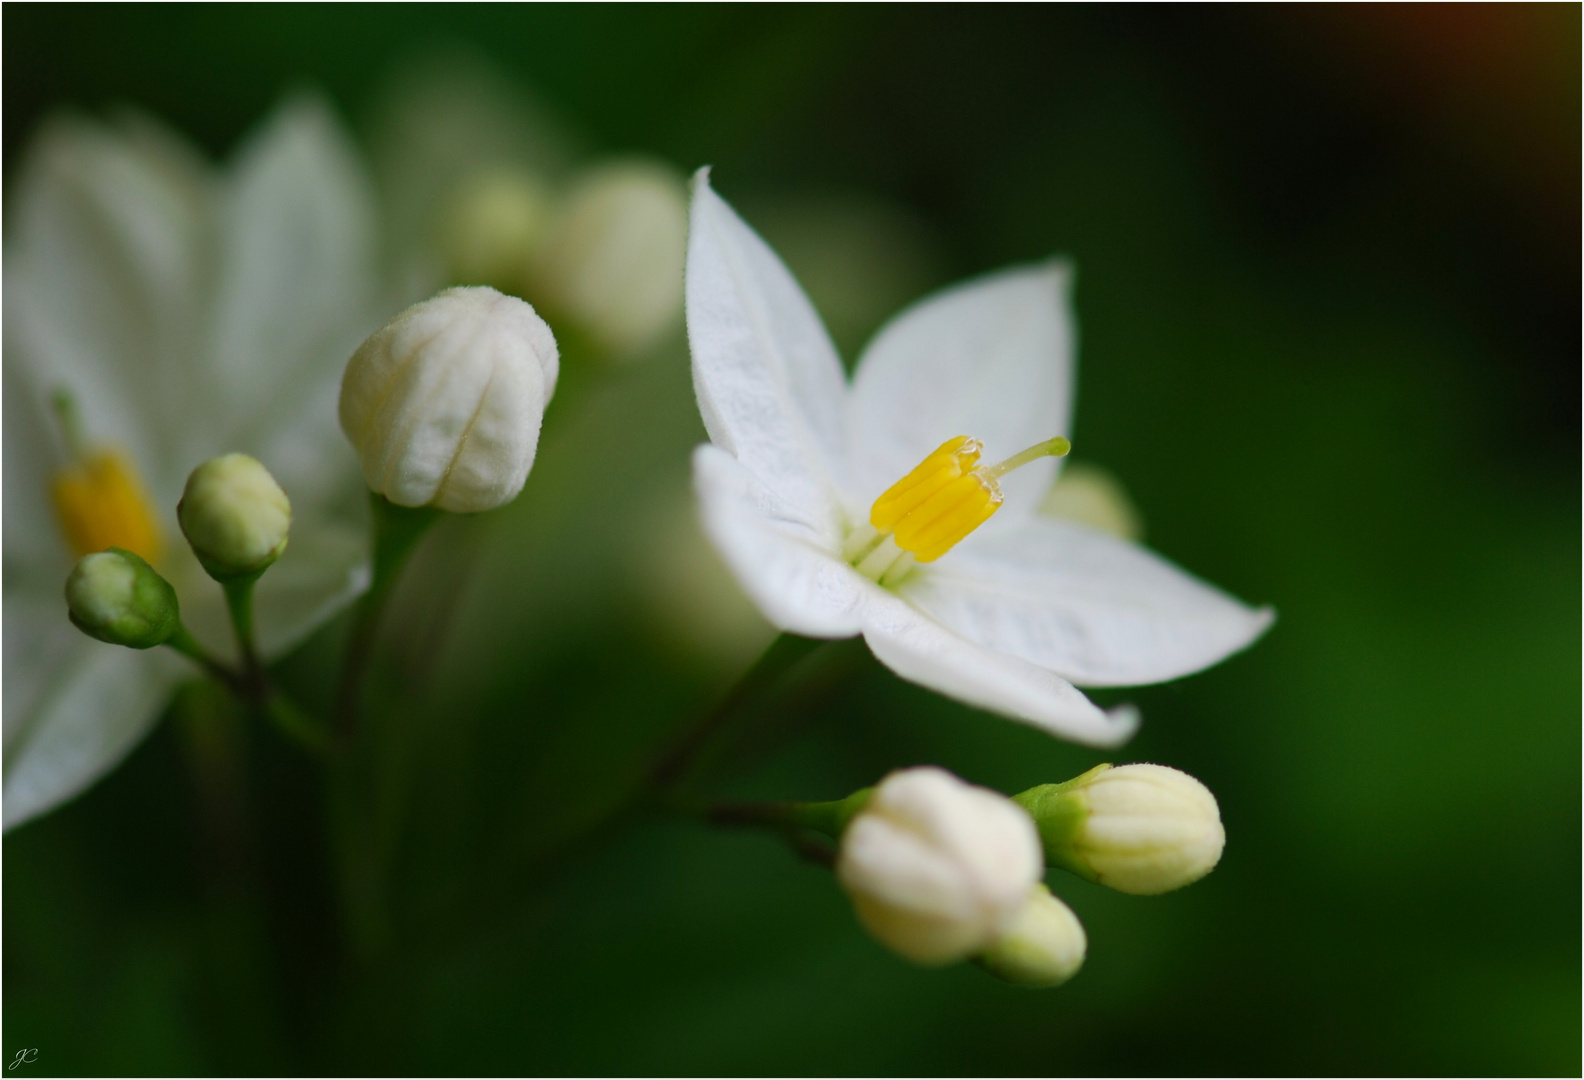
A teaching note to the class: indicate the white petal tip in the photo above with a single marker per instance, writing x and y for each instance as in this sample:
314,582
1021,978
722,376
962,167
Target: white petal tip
1123,723
700,179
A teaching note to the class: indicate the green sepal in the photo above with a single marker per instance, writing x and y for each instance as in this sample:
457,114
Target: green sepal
1060,812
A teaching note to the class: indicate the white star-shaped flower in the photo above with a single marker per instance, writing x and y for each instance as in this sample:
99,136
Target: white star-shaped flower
803,491
187,311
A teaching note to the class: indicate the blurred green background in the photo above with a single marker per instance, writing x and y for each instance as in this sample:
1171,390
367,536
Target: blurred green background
1329,303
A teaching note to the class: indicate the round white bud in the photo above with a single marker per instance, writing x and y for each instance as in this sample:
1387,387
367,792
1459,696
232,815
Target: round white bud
1044,946
938,869
118,598
235,516
1142,829
613,262
443,403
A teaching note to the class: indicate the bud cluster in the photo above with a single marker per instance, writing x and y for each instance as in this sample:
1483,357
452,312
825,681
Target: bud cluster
236,519
940,871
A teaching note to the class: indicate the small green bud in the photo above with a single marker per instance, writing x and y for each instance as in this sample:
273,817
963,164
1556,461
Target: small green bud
235,516
1142,829
1044,945
118,598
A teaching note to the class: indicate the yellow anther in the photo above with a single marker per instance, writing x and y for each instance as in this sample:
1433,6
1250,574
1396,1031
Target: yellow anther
951,460
948,496
101,503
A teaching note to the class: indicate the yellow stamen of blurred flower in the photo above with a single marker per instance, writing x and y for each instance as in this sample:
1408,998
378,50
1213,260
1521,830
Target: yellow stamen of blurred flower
100,501
949,495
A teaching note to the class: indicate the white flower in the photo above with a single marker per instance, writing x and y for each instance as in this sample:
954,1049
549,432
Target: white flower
187,311
1026,606
938,869
444,402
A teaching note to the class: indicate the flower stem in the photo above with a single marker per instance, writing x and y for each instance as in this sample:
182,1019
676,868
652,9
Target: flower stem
827,818
183,642
674,765
239,601
252,687
296,724
397,530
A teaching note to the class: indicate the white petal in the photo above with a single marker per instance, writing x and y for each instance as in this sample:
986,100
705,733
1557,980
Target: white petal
33,541
324,568
923,651
99,703
39,641
1093,607
769,385
104,279
781,563
295,266
991,358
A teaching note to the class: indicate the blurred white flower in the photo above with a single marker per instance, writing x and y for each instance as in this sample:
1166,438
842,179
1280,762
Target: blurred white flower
801,462
444,402
938,869
186,311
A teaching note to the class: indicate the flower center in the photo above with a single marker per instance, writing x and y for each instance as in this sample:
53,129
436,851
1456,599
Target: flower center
926,513
100,501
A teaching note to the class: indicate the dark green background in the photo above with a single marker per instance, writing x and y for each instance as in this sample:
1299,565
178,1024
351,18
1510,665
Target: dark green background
1329,298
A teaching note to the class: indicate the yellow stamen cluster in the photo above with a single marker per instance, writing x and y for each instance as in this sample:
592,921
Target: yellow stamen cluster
929,511
937,504
101,503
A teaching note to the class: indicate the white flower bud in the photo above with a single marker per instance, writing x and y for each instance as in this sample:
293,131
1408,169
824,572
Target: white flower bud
1142,829
118,598
443,403
1094,496
1044,946
613,262
938,869
235,516
491,226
